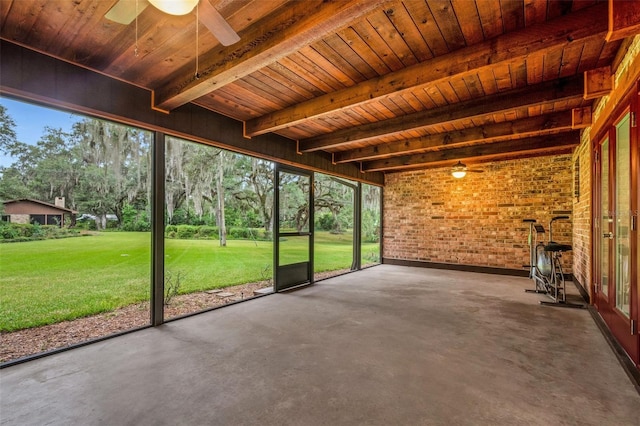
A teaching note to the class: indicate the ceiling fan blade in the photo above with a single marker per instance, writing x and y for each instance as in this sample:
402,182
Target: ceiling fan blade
218,26
476,171
124,11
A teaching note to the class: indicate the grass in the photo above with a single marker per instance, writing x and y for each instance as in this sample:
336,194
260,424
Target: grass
45,282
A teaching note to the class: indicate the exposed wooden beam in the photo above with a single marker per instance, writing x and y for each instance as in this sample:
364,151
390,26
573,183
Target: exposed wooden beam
581,117
624,19
484,152
264,43
506,49
541,94
598,82
532,126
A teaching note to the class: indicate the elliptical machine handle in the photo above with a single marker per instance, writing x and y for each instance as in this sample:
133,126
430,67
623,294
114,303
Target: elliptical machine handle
560,218
529,220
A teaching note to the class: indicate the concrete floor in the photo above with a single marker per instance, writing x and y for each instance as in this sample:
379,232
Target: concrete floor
390,345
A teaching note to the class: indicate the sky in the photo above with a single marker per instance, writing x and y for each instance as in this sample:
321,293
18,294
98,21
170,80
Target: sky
31,120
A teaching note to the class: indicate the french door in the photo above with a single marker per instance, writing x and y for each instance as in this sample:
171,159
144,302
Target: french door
616,233
293,239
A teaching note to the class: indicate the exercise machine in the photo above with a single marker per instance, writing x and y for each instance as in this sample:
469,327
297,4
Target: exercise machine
545,267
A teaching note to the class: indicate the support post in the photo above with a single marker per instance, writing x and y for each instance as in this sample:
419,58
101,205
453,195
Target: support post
157,233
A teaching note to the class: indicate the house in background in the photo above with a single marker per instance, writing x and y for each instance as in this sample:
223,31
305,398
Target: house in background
26,210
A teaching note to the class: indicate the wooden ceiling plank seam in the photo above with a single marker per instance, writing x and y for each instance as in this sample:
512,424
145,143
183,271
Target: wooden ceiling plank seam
488,81
397,105
535,67
339,62
552,64
518,72
276,90
502,75
591,55
424,98
370,36
609,51
448,92
298,82
531,96
447,21
570,59
529,145
469,20
405,25
260,46
297,64
465,61
459,87
284,76
367,30
364,113
351,37
389,35
344,50
474,86
372,112
490,17
436,96
413,101
255,95
428,27
318,74
384,110
317,54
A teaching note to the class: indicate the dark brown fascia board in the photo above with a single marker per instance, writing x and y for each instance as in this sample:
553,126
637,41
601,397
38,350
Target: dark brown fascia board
32,76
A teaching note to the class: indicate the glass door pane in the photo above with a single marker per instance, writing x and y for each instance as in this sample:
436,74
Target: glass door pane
622,216
293,239
333,226
605,219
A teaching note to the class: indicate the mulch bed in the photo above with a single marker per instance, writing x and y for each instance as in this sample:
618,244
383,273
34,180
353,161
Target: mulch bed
22,343
19,344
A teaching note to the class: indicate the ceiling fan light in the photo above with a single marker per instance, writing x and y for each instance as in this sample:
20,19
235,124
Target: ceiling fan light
459,170
175,7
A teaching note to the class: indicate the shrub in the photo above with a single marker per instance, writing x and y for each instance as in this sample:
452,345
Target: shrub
239,233
8,232
23,229
185,232
171,228
207,232
326,222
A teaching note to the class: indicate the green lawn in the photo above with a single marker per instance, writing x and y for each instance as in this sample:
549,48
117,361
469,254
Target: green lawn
44,282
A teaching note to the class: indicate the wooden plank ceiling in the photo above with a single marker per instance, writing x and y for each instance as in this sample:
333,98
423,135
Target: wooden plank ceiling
392,85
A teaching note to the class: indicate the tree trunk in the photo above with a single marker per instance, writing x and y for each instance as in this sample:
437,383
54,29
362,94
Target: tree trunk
222,227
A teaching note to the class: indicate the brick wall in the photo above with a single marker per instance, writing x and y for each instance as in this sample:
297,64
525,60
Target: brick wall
582,216
477,220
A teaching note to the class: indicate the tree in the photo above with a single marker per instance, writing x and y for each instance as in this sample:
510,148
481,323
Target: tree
334,194
115,163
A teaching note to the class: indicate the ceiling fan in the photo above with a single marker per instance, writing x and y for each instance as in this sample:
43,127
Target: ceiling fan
125,11
460,170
